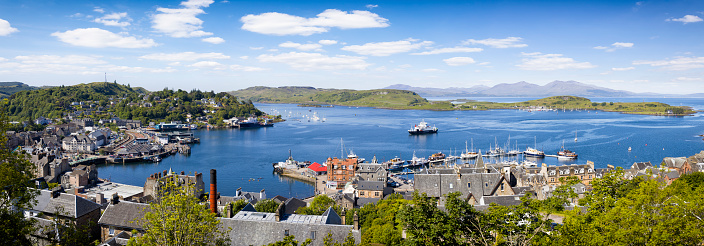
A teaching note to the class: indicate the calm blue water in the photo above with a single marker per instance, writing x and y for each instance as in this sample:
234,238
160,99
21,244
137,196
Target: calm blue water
240,155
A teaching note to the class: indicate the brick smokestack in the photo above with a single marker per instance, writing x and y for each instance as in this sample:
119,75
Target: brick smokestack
213,191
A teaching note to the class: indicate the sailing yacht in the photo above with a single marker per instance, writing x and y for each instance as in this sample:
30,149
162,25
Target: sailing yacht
467,154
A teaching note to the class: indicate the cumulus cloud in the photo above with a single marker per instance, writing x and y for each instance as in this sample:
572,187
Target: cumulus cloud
687,19
327,42
69,59
547,62
213,40
387,48
99,10
208,64
615,46
304,47
69,64
676,64
99,38
113,19
181,23
274,23
5,28
316,61
510,42
184,56
622,68
458,61
246,68
449,50
256,48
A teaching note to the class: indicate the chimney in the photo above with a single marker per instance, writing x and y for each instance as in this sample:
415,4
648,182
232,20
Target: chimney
229,210
262,195
344,215
213,191
355,224
164,173
115,199
238,192
280,211
99,198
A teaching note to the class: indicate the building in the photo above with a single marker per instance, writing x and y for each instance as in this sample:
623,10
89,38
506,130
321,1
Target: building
250,227
151,186
373,189
679,164
316,169
78,144
341,171
372,172
83,212
121,216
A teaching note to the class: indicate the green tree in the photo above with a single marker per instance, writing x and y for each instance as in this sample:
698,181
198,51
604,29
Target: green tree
239,205
290,241
268,206
319,205
16,193
178,218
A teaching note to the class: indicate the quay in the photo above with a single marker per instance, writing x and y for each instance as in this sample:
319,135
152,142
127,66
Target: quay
299,174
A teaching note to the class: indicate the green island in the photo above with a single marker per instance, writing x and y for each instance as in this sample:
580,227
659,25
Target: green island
105,100
403,99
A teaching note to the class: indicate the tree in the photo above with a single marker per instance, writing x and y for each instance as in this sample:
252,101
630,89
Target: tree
239,205
290,241
267,206
177,218
16,193
319,205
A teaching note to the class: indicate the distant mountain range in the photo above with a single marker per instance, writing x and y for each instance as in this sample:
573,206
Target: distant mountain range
524,89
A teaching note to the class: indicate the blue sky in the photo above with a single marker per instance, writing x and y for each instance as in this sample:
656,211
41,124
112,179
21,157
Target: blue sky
641,46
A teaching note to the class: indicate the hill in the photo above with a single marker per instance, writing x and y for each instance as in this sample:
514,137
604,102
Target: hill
381,98
9,88
521,89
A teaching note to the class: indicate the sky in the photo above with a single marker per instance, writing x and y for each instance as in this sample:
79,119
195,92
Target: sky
225,45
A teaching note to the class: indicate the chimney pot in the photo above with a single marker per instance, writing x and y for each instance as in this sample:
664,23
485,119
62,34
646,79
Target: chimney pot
355,224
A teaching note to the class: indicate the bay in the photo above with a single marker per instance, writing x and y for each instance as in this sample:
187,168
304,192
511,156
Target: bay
244,156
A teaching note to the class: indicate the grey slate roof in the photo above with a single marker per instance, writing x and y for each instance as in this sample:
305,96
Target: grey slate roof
361,201
123,214
371,185
292,204
503,200
64,204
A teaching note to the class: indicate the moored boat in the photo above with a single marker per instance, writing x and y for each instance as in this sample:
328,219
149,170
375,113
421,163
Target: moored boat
533,152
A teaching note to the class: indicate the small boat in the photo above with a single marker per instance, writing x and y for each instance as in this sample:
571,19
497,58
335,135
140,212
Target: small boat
422,128
527,163
629,149
417,161
436,158
566,154
394,163
468,154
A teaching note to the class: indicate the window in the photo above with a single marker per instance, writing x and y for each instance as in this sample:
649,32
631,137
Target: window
469,185
486,184
376,193
450,185
502,186
111,231
361,193
286,233
312,235
552,179
436,185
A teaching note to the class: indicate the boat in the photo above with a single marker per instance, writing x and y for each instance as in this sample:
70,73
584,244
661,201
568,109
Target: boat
534,152
266,123
566,154
527,163
417,161
394,163
422,128
436,158
468,154
575,136
352,155
249,123
289,163
629,149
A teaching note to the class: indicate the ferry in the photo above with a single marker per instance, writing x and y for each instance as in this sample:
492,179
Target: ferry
422,128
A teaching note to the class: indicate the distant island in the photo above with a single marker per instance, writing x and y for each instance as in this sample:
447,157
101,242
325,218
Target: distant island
404,99
524,89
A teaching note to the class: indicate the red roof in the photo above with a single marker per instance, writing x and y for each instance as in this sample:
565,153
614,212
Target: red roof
317,167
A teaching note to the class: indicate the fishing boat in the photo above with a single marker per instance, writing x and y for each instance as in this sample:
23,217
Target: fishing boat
394,163
422,128
436,158
468,154
352,155
417,161
566,154
288,163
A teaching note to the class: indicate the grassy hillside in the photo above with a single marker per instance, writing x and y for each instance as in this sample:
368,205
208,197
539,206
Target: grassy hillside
580,103
9,88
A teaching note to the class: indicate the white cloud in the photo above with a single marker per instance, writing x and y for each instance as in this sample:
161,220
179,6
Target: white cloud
69,59
547,62
5,28
316,61
246,68
449,50
184,56
244,57
431,70
327,42
213,40
687,19
69,64
181,23
209,65
304,47
677,64
622,45
99,10
483,63
274,23
510,42
371,6
387,48
601,47
459,61
99,38
114,20
688,79
256,48
622,68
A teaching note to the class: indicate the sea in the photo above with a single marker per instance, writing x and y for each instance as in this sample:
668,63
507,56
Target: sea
243,157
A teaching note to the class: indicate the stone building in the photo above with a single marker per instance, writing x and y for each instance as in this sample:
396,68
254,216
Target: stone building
341,171
121,216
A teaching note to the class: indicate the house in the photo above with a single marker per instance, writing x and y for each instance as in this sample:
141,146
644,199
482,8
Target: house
249,227
78,144
83,212
373,171
679,164
42,121
121,217
154,181
316,169
373,189
80,176
341,171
